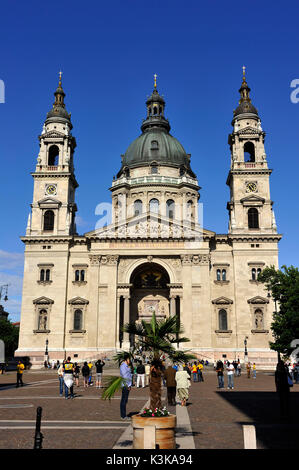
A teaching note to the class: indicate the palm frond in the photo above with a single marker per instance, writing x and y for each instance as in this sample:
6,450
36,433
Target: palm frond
120,356
111,386
182,356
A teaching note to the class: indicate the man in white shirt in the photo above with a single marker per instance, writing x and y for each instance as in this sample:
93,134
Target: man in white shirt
230,375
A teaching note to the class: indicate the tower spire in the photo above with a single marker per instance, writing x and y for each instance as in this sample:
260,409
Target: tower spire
155,81
58,110
245,105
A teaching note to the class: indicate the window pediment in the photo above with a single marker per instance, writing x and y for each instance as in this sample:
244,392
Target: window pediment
258,300
78,301
222,301
49,203
252,200
43,301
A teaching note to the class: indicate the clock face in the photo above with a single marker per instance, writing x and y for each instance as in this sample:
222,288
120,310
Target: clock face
51,189
251,187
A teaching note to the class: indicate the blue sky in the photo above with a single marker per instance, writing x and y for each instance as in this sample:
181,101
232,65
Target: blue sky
108,52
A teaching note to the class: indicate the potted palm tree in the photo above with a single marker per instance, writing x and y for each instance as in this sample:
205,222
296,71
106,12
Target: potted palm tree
158,337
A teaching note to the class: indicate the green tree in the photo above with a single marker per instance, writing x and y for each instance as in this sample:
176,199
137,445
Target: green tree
158,337
10,335
284,287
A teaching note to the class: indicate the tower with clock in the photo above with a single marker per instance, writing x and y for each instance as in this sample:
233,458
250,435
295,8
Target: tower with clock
53,208
250,207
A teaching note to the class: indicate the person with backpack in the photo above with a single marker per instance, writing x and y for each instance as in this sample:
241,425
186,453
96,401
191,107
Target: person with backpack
85,372
140,374
99,371
68,369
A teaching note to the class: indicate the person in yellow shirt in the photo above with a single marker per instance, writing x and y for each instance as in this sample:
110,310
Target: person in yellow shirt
194,372
90,364
199,372
20,370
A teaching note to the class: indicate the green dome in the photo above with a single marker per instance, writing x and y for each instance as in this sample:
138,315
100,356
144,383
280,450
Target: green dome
155,144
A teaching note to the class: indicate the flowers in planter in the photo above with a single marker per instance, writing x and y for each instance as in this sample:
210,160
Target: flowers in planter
156,413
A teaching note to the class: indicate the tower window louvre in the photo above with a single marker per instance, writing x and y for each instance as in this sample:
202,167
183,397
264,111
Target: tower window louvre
253,218
49,220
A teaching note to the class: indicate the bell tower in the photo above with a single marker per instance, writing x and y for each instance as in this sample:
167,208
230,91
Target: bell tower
250,206
53,208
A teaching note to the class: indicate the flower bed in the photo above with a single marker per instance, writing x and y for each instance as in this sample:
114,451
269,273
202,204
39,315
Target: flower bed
158,413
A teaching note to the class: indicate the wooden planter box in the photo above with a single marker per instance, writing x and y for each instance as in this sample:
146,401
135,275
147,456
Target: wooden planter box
164,437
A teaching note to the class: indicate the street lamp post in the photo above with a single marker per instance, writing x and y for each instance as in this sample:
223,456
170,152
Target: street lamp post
46,351
245,351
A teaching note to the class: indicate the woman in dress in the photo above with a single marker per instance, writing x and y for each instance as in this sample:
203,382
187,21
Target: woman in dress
182,379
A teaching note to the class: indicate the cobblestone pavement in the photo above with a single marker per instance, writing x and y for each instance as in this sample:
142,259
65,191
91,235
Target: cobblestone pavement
87,422
217,415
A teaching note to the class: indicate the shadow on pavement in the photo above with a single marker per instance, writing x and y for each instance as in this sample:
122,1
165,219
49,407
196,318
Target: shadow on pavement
263,411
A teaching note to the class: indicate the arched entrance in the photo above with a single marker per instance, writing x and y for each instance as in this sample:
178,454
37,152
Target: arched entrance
149,292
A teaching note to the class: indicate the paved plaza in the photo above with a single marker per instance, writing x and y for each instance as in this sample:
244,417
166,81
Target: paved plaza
213,419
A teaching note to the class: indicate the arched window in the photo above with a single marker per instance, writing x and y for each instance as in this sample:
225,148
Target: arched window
223,274
218,275
78,319
154,145
49,220
258,271
154,169
42,275
222,320
47,274
249,152
137,207
154,206
170,205
155,110
53,159
253,274
77,275
253,218
82,275
190,211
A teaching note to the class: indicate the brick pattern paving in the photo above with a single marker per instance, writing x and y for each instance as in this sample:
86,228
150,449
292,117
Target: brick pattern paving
216,416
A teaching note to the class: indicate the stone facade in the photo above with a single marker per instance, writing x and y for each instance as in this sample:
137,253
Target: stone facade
79,290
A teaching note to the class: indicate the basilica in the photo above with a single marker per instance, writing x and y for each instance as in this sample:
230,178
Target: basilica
154,255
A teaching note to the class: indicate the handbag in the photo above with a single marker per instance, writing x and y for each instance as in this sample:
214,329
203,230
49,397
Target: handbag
290,381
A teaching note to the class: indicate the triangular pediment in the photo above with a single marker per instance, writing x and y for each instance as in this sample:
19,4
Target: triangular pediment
78,301
53,134
151,225
258,300
49,202
253,198
222,301
43,301
249,130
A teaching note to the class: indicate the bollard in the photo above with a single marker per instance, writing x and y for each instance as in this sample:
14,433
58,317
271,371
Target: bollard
38,438
249,437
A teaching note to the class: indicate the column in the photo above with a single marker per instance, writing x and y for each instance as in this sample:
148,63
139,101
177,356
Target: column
117,329
172,305
126,339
